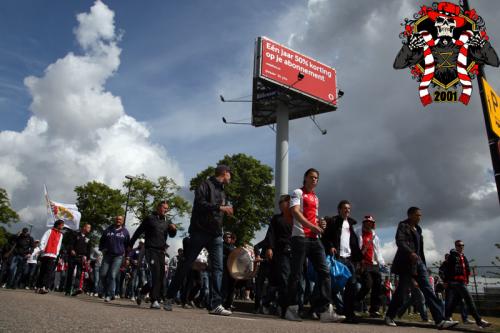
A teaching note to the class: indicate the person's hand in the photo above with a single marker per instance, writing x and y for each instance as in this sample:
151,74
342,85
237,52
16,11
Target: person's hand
172,227
333,251
258,259
269,254
413,258
322,223
73,253
316,229
228,210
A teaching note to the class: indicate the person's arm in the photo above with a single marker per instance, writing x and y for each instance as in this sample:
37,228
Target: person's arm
45,238
103,240
202,199
378,252
270,234
138,232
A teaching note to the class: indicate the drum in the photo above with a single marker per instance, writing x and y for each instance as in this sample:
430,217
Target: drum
241,263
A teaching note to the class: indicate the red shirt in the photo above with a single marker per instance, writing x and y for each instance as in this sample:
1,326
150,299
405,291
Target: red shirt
367,248
309,204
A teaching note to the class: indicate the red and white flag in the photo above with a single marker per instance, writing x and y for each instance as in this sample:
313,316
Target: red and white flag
59,211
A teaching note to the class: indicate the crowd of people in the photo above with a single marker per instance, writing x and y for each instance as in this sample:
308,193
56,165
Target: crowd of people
326,263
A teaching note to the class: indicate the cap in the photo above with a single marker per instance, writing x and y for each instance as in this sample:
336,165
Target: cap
221,168
369,218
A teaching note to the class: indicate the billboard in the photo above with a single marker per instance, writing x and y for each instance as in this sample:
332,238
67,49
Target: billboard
493,105
310,86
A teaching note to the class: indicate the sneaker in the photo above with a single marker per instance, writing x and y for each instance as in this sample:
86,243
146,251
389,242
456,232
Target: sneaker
445,324
77,292
27,288
132,299
220,311
468,321
483,323
167,305
375,314
292,313
155,305
107,299
329,316
352,319
389,322
186,306
43,291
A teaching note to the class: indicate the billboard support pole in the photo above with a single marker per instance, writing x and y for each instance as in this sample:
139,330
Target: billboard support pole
493,141
281,165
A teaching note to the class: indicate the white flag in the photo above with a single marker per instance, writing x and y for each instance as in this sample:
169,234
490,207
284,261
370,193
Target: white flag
59,211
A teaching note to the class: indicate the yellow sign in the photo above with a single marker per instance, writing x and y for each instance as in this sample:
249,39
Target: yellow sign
493,101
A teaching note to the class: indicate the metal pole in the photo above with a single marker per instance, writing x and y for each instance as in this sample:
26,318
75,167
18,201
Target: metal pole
493,141
130,178
281,166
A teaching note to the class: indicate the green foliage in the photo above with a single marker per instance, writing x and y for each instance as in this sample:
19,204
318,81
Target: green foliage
250,193
7,214
5,237
145,194
99,205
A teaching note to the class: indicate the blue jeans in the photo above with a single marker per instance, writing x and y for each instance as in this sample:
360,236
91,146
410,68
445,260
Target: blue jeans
198,241
109,271
405,283
97,274
17,266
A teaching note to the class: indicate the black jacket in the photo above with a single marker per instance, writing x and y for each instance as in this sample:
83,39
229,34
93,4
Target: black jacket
156,232
24,244
453,270
407,243
80,244
206,216
333,231
279,234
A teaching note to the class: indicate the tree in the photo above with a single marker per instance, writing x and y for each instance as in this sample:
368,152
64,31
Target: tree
99,204
7,214
145,194
250,192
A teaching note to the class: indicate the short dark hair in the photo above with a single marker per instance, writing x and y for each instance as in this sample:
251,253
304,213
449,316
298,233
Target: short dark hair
308,171
25,230
458,241
411,210
221,169
162,202
58,223
341,203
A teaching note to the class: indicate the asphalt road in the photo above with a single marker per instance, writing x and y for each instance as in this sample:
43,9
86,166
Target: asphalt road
25,311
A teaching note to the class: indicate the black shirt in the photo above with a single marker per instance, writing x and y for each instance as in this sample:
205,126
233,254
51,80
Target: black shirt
155,230
279,233
80,244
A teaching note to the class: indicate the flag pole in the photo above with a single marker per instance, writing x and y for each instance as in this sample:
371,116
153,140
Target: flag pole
493,140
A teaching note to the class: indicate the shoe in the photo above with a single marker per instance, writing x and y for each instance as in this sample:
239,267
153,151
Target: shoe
266,310
117,296
77,292
186,306
292,313
132,299
375,314
43,291
468,321
220,311
107,299
329,316
353,319
27,288
445,324
483,323
389,322
138,299
167,305
155,305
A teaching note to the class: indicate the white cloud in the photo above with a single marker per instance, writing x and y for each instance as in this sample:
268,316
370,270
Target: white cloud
78,131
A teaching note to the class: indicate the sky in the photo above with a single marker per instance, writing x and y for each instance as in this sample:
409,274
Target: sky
99,90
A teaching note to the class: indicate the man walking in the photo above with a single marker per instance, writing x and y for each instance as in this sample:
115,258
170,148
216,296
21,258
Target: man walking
156,229
205,230
50,244
305,243
456,276
23,246
112,244
409,264
79,251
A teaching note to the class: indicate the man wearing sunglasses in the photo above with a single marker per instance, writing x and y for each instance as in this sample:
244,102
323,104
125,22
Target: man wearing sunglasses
456,276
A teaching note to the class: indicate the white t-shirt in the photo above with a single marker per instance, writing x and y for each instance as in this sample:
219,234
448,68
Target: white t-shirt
345,236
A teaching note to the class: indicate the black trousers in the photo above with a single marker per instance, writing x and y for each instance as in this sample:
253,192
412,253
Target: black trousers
351,289
454,294
370,279
312,249
156,261
74,262
280,273
46,277
228,286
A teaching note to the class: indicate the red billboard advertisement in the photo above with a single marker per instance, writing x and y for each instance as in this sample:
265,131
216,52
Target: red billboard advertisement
296,71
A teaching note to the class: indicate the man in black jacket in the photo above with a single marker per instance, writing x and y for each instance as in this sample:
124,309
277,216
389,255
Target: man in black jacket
79,250
340,240
409,264
279,250
205,230
456,273
23,246
156,229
